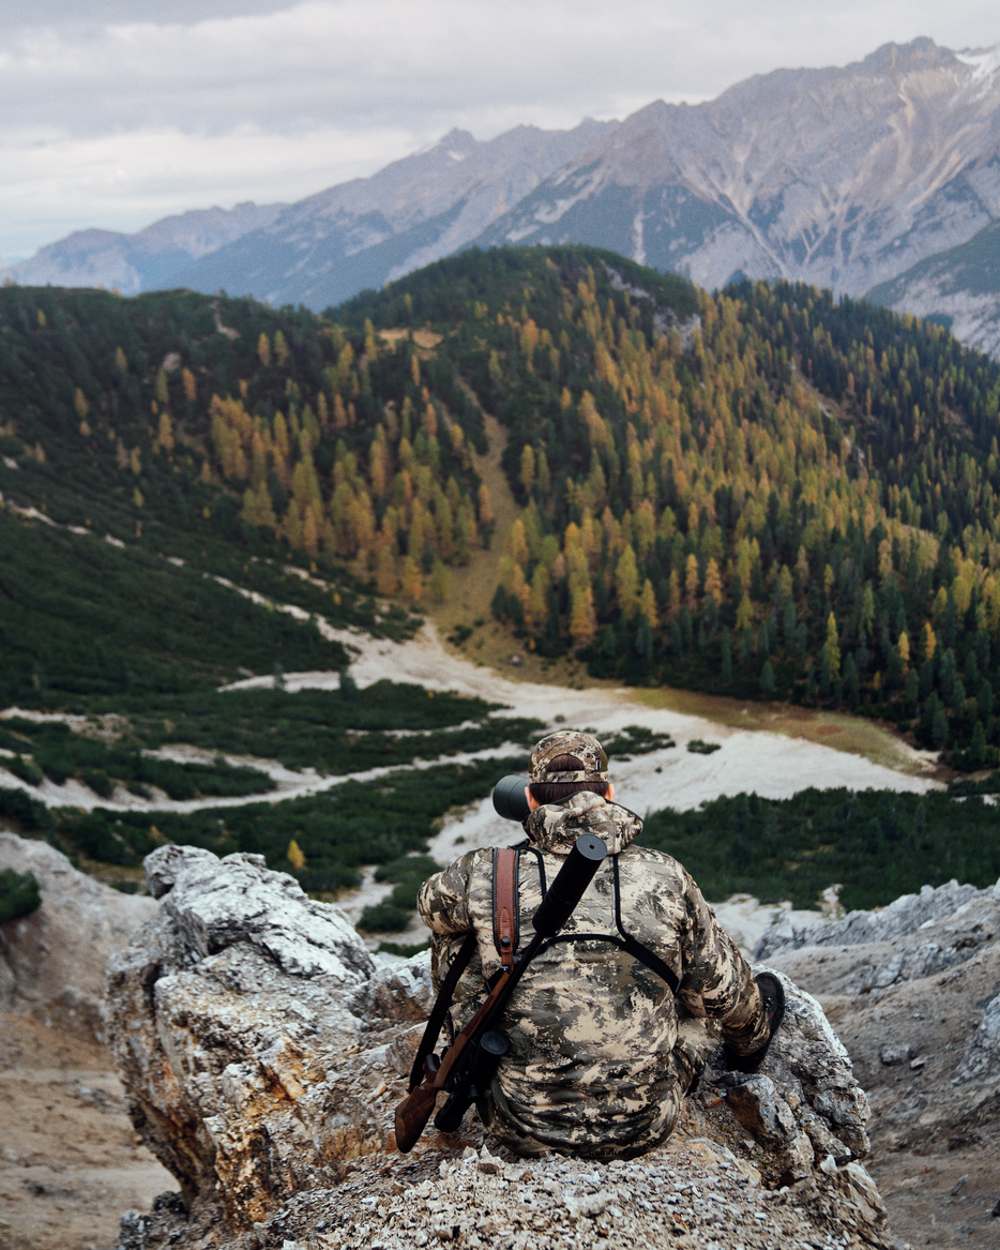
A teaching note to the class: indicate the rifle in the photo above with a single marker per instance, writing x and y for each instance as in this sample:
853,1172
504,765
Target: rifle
468,1066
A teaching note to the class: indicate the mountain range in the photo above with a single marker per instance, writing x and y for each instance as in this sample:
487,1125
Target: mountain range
881,176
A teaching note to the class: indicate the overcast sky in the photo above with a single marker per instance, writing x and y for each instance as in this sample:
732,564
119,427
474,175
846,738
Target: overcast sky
118,112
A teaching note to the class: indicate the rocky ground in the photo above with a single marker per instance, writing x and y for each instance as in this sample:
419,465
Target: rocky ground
70,1161
263,1050
914,992
69,1158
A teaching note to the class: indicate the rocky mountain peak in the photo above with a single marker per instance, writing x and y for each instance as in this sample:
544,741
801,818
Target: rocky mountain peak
842,176
919,53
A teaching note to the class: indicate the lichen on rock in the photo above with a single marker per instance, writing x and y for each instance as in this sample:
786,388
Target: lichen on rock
263,1050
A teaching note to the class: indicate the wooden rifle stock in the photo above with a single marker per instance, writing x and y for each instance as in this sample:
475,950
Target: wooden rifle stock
417,1107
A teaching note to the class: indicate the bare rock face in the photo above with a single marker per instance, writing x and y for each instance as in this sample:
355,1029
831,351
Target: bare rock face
52,962
230,1016
263,1051
901,918
913,991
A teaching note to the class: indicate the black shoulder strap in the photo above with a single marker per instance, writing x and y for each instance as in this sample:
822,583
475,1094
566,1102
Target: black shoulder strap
435,1021
635,948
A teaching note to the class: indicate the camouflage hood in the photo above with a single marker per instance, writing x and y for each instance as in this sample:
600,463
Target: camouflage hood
556,826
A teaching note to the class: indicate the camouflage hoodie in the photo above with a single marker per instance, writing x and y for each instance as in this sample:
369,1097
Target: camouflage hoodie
594,1067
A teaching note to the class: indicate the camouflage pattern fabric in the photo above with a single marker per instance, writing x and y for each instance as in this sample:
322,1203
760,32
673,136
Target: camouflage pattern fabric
595,1067
584,748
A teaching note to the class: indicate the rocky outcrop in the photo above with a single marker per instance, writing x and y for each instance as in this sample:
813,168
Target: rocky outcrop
902,918
53,961
263,1051
914,991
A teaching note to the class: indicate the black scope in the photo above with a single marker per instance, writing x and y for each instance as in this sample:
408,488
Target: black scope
509,800
569,885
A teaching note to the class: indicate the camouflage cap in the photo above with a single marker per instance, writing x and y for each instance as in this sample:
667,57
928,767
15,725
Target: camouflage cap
584,748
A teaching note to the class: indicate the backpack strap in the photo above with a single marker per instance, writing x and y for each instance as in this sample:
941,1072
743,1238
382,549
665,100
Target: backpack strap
635,948
506,911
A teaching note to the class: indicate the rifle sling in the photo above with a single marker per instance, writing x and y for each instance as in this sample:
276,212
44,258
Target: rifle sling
506,908
435,1021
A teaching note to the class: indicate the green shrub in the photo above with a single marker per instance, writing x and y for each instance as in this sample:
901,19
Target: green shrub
19,894
99,781
384,918
24,767
23,811
878,843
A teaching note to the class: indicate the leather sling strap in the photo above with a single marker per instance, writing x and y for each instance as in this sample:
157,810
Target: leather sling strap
506,911
506,924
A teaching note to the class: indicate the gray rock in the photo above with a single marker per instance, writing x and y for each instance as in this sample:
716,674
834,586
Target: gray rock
982,1057
901,918
263,1052
53,962
403,991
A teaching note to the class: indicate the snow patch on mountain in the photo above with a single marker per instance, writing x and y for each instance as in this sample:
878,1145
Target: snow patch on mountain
984,61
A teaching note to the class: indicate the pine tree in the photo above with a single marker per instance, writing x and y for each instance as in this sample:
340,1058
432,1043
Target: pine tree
647,606
386,581
412,580
830,656
165,433
440,582
627,583
527,474
977,752
726,659
582,619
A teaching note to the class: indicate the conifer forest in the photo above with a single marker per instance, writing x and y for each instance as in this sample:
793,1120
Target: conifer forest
765,492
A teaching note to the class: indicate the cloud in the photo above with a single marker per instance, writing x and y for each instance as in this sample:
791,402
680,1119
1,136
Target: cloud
127,117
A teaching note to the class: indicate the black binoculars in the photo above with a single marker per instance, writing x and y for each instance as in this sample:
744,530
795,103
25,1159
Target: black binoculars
509,799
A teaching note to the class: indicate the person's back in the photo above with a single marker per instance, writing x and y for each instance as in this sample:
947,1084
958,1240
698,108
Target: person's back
595,1066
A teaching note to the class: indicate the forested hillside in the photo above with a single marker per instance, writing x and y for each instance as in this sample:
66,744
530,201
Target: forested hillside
766,492
226,438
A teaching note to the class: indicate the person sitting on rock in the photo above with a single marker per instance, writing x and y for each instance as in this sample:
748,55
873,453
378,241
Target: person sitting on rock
598,1064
